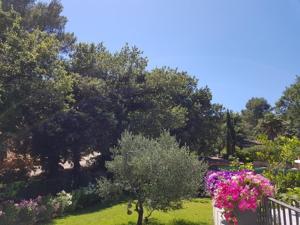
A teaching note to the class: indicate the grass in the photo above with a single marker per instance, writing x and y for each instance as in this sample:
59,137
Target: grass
194,212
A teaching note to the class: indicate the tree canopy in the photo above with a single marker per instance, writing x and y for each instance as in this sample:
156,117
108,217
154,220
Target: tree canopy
61,99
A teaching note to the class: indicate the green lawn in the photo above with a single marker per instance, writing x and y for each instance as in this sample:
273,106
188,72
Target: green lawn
195,212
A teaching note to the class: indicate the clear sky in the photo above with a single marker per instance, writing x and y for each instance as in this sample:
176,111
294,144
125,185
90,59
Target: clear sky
239,48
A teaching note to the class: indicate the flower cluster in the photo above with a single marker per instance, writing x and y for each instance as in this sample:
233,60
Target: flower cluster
61,202
241,191
214,179
26,211
33,211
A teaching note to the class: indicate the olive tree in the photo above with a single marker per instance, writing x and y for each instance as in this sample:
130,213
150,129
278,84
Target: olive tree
156,174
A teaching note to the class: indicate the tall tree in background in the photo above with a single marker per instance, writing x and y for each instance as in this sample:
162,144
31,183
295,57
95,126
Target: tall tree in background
271,125
289,107
149,102
35,83
230,135
255,110
203,127
43,16
163,108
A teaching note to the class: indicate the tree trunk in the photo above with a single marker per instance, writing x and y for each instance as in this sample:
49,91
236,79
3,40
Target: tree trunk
52,166
140,212
76,162
76,168
140,217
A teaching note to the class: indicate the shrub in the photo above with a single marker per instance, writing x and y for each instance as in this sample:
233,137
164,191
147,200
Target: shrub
8,213
10,191
280,153
26,212
292,196
84,197
61,202
249,154
284,179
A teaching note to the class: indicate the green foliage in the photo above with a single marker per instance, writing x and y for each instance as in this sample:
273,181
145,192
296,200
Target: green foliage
156,173
279,153
61,202
43,16
288,106
27,212
292,196
84,197
230,135
284,179
271,125
163,87
237,165
255,110
56,108
249,154
11,190
35,83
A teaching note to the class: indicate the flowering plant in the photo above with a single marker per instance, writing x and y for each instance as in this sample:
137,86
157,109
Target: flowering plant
241,190
28,212
61,202
213,180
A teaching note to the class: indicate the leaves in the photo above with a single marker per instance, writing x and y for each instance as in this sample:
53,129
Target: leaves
155,172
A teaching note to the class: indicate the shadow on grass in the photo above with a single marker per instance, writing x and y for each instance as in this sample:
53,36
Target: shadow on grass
96,207
174,222
200,200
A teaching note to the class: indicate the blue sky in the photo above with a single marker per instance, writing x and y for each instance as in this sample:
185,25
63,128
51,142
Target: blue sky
239,48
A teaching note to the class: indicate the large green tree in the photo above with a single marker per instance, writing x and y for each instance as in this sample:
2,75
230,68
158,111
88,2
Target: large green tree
255,110
43,16
230,135
289,107
161,105
35,83
271,125
155,173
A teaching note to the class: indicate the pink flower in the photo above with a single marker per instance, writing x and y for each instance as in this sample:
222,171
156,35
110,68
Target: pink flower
238,191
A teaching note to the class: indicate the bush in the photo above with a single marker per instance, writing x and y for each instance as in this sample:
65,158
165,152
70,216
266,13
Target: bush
33,211
249,154
8,213
283,180
11,190
26,212
84,197
61,203
292,196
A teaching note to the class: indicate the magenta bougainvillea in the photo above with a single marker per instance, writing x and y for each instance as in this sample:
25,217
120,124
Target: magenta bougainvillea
232,191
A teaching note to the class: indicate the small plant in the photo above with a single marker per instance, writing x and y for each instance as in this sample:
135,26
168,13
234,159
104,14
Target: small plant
237,165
